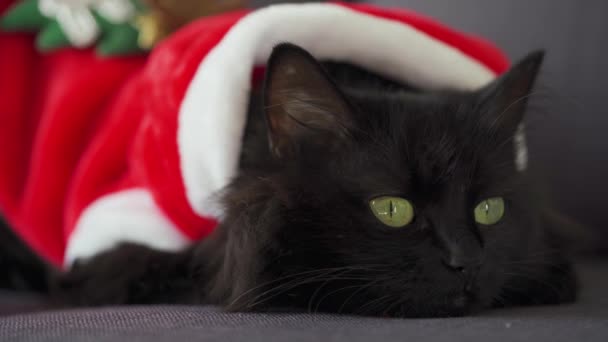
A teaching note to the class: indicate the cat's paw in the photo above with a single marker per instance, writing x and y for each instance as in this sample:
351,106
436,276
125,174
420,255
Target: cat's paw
128,274
103,280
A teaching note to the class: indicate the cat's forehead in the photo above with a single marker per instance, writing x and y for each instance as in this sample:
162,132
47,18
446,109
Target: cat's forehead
431,140
439,129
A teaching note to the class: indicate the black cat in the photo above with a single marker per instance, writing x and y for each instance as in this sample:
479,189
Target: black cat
359,195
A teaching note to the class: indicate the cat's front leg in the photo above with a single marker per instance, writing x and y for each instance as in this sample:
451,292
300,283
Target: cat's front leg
128,274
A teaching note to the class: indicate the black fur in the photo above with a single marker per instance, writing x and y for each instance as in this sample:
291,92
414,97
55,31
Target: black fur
298,232
20,268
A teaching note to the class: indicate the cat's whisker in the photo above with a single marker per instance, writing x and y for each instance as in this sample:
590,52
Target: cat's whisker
397,303
372,304
312,298
281,288
279,280
361,288
302,281
329,294
286,287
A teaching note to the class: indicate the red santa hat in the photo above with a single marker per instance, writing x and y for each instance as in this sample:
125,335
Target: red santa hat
101,151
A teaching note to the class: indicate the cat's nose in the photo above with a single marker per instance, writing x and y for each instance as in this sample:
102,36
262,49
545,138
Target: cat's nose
461,250
462,264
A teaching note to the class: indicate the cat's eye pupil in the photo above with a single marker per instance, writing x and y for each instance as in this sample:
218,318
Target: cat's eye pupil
489,211
392,211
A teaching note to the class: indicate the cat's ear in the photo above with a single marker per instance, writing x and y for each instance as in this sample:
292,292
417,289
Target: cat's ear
506,98
302,104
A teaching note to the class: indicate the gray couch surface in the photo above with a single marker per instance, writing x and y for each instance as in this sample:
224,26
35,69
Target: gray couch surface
585,321
568,149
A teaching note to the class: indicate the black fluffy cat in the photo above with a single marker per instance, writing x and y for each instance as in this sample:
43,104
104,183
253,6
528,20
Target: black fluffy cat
358,195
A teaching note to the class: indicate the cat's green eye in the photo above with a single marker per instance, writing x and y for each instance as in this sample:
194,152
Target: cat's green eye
394,212
490,211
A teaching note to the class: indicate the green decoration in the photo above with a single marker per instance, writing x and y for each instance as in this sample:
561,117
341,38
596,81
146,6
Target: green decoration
25,16
51,38
119,39
111,32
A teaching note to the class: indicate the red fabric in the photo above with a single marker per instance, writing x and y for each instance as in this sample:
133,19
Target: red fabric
161,129
50,108
74,127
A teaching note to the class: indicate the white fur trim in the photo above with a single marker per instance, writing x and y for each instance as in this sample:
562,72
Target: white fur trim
116,11
212,114
126,216
521,148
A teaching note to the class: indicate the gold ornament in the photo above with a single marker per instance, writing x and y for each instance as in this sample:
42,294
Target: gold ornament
166,16
150,31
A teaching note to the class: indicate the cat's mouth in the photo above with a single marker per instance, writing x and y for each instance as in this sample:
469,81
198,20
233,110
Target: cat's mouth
463,303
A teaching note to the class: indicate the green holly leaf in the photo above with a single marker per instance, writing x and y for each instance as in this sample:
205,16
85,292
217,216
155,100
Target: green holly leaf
116,39
52,38
119,40
25,16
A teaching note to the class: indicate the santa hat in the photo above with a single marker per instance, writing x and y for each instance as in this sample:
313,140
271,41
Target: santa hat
97,152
